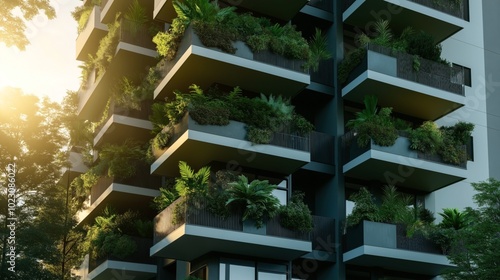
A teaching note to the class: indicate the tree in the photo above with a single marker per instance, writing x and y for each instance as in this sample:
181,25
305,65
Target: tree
14,14
475,247
32,145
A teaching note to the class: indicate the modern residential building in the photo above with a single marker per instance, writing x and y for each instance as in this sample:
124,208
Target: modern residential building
328,164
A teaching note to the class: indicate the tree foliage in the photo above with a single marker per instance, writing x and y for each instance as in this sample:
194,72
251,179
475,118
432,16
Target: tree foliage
14,13
475,247
32,136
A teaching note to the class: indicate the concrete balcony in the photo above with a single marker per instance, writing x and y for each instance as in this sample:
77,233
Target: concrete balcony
386,246
88,40
124,123
430,93
285,154
439,20
283,10
138,266
134,193
111,7
76,166
204,66
202,232
134,49
398,165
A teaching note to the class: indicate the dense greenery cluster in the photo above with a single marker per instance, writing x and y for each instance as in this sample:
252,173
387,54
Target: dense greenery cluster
379,126
117,161
228,193
263,115
111,234
416,43
221,27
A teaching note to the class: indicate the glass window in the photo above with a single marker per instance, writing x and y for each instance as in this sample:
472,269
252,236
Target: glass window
281,195
240,272
271,276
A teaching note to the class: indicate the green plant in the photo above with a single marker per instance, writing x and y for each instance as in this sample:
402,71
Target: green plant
259,135
453,218
318,46
120,161
364,207
158,117
136,17
371,124
296,214
107,47
427,138
255,198
395,207
168,194
192,183
167,43
301,125
422,44
213,112
111,233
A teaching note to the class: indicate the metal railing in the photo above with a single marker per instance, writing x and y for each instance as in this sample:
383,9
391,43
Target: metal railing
324,75
142,178
430,73
194,213
460,9
351,150
141,254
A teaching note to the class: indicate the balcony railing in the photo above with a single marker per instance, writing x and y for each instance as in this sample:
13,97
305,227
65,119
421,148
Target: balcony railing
352,150
142,179
141,255
194,213
430,73
325,5
416,243
143,113
280,139
460,10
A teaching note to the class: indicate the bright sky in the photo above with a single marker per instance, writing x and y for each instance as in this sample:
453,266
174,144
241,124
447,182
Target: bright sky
48,66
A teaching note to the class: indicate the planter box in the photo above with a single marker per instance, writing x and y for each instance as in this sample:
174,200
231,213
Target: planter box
386,246
285,154
195,63
204,232
438,20
398,165
434,87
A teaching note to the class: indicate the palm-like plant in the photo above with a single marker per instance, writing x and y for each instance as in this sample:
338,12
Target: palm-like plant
190,182
189,10
452,218
318,46
256,197
369,112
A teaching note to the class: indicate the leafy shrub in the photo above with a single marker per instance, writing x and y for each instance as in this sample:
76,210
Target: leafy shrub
259,135
211,113
427,138
301,125
107,47
378,128
167,196
422,44
216,35
167,43
364,208
296,214
255,198
350,62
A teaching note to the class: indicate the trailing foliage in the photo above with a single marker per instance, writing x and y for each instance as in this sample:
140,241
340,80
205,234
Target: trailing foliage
107,47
